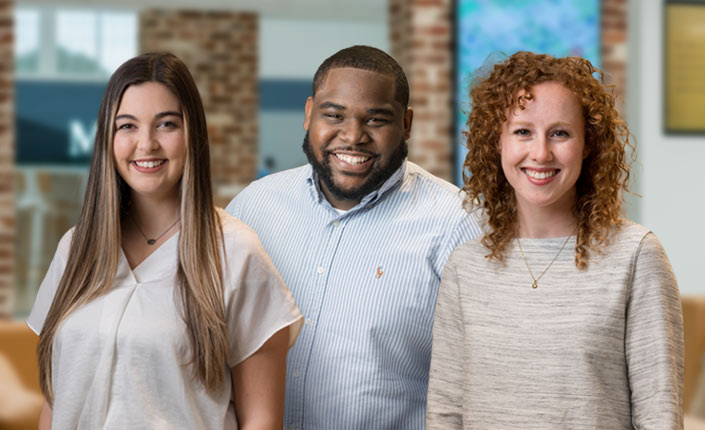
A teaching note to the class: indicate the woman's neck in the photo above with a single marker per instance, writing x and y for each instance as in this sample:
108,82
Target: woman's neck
154,214
538,223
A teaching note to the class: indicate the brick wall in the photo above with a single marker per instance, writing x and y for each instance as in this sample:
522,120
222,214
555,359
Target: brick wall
614,47
421,40
7,198
220,49
421,33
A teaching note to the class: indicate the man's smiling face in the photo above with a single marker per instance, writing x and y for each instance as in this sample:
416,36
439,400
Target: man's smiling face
355,133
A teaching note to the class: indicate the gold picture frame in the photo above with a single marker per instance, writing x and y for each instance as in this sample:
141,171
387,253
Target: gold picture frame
684,45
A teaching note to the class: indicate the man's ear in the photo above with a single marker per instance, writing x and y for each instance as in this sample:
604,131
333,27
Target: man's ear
308,109
408,119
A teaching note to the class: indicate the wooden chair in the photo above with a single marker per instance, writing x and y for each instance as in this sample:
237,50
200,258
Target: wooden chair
20,396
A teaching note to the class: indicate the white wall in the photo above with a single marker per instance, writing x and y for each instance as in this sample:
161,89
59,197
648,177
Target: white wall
293,48
670,175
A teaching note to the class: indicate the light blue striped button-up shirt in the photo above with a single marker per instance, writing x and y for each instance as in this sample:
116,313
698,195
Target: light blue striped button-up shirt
366,281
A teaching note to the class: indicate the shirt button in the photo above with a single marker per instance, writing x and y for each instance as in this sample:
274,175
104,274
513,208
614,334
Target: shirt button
292,427
320,270
336,223
297,373
308,321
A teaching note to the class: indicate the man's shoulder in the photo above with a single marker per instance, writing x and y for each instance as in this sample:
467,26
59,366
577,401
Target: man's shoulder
440,203
287,177
434,190
274,187
419,177
274,184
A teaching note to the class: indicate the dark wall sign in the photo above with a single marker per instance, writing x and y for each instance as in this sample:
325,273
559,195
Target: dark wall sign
283,94
55,121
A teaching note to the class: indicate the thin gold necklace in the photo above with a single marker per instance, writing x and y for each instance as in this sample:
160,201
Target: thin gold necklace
152,241
535,284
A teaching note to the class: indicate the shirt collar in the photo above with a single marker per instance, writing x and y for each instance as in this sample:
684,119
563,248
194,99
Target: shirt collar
367,201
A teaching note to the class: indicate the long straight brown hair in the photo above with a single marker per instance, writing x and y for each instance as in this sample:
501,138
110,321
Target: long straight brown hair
95,245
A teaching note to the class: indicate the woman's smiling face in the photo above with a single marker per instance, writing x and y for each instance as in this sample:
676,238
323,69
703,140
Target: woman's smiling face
543,146
149,145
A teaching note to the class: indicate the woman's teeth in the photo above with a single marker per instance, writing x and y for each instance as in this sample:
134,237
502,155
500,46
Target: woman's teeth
149,164
540,175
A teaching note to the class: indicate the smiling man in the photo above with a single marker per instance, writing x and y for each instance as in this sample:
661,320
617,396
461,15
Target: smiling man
360,236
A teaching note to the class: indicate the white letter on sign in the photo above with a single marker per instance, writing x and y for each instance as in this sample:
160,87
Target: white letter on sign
80,142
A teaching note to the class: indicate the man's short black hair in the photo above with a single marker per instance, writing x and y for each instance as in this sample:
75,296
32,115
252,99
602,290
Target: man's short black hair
366,58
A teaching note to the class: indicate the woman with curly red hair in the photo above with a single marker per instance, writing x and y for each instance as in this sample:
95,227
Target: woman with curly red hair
528,334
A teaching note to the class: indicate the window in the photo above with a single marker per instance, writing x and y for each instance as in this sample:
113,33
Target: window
27,41
63,60
73,44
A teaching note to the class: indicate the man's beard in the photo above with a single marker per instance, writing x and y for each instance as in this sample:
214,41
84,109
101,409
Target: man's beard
376,178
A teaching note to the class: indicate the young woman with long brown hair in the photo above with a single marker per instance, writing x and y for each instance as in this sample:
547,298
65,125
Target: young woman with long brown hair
564,314
159,310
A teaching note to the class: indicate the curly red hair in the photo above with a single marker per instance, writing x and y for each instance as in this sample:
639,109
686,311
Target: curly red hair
605,170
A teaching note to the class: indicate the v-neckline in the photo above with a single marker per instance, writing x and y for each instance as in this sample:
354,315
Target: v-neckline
143,265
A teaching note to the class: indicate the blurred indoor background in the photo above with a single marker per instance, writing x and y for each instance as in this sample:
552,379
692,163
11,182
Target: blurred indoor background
253,61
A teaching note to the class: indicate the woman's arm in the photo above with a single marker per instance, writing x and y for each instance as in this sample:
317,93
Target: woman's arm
45,417
445,382
258,385
654,341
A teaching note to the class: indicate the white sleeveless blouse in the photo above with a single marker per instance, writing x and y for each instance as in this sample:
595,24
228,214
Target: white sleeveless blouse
121,361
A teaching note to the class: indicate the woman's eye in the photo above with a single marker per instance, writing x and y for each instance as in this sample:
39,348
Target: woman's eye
167,124
561,133
521,132
126,126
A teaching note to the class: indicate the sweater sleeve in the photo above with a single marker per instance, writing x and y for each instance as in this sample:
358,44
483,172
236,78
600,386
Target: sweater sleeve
654,340
445,385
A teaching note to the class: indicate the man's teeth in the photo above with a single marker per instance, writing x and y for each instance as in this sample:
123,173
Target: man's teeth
351,159
540,175
149,164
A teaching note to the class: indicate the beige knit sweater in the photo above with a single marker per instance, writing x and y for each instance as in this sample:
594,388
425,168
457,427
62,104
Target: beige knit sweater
600,348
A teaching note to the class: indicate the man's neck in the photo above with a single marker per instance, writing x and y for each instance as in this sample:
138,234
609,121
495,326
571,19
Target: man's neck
337,202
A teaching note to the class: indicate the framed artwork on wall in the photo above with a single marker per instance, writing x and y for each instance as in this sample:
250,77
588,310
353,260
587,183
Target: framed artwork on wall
684,64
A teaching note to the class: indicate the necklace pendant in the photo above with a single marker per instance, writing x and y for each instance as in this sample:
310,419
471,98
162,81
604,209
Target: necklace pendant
534,285
153,241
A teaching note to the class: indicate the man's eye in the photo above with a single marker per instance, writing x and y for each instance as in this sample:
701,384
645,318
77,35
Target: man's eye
332,115
376,121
